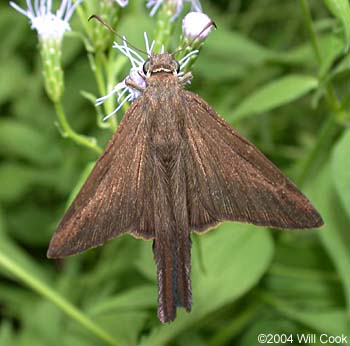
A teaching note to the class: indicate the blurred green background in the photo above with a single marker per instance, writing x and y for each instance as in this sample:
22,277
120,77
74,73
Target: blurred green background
279,78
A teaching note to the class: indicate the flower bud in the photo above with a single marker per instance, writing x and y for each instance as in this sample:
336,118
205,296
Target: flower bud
173,7
122,3
193,25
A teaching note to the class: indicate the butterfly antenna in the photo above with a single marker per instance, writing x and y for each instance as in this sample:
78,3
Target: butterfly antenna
209,25
108,26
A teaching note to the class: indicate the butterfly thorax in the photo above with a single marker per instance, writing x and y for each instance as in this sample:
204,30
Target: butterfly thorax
166,111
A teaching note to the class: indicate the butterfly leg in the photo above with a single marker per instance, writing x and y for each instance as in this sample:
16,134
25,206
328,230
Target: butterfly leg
186,78
131,84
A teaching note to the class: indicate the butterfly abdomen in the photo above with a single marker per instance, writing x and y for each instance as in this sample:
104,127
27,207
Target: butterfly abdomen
172,244
173,275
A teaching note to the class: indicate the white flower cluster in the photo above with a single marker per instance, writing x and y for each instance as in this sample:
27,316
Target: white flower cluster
192,26
51,25
136,75
47,24
126,93
155,4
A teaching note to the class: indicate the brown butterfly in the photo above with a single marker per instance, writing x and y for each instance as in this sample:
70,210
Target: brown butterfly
172,167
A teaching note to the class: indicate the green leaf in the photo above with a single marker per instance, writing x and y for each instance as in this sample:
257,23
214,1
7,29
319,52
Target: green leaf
35,218
218,69
335,233
80,182
341,67
10,249
236,256
125,326
341,10
236,48
24,141
17,179
18,299
13,38
326,321
275,94
6,334
134,299
330,50
268,325
89,96
44,313
341,169
27,337
13,76
317,293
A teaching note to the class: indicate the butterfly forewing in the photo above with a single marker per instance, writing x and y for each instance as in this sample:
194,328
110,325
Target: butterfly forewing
237,182
113,198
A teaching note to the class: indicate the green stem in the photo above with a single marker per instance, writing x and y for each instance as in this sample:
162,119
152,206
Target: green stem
310,27
98,64
82,14
331,99
164,27
234,327
67,131
200,255
322,141
102,63
57,299
270,299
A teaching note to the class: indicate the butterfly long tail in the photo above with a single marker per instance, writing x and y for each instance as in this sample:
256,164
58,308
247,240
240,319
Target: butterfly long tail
172,243
173,260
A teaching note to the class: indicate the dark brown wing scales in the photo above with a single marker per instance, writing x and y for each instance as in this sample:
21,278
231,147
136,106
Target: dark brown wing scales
113,199
234,181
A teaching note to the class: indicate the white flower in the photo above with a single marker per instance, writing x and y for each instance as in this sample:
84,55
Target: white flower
47,24
126,93
122,3
155,4
193,25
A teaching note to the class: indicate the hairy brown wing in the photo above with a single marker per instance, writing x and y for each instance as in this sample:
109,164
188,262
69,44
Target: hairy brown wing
113,198
234,181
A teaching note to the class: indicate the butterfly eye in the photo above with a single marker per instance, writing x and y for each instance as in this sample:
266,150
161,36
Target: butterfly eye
145,67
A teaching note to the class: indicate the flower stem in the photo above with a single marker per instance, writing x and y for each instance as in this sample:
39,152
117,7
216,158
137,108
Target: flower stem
115,66
310,27
164,27
101,64
47,292
67,131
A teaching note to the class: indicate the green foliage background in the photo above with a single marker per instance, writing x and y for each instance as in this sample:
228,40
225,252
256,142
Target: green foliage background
283,81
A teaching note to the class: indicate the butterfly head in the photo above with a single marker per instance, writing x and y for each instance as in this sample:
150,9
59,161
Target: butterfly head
161,63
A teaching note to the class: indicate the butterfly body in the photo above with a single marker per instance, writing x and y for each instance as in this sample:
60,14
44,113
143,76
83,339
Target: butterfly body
166,151
172,167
